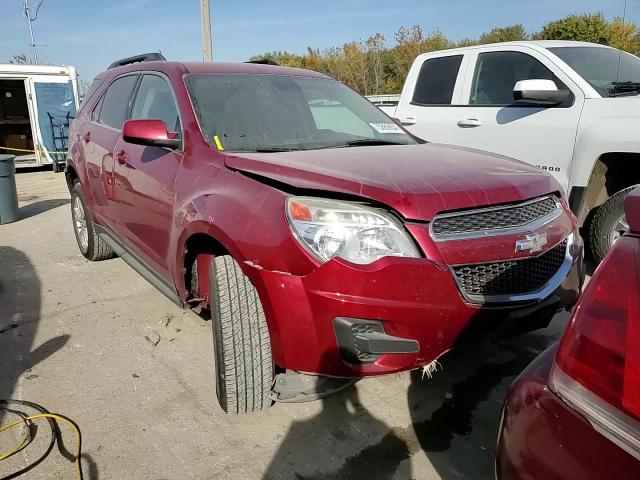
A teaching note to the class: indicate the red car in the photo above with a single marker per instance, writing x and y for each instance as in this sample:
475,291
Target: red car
324,240
574,413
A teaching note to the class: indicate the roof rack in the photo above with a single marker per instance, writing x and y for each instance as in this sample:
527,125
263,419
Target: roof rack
264,61
144,57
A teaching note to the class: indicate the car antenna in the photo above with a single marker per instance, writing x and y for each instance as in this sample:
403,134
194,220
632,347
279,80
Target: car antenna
624,16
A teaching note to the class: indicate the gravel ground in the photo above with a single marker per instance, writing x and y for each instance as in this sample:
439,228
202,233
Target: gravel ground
95,342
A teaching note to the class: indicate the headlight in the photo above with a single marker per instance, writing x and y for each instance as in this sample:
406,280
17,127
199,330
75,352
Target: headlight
329,228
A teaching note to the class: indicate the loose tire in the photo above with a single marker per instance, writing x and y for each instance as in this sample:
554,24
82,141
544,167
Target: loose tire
609,223
90,244
244,365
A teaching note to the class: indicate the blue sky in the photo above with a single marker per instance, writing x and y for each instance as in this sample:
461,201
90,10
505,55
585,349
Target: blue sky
92,33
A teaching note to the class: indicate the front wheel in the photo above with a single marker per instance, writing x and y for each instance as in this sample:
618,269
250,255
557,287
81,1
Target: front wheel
609,224
244,365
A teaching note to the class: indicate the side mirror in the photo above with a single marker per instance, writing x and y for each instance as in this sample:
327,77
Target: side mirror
539,92
632,210
149,132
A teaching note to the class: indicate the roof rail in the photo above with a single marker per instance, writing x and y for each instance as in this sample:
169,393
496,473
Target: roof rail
144,57
263,61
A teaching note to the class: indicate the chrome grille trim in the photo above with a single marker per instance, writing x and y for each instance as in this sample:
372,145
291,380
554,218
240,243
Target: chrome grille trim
542,292
483,232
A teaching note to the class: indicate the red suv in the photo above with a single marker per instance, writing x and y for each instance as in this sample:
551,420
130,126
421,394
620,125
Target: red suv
325,242
574,413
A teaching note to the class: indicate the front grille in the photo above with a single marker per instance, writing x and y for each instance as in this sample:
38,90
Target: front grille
493,219
513,277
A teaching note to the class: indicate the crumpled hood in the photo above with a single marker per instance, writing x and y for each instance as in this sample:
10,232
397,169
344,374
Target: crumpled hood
417,181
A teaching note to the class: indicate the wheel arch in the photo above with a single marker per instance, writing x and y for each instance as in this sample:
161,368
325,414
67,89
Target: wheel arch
198,246
611,172
71,175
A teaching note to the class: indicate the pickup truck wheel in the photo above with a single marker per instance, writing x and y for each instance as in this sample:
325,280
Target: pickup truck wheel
244,365
609,224
91,245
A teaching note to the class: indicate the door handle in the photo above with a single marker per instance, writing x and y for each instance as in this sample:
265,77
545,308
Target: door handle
470,123
121,157
407,121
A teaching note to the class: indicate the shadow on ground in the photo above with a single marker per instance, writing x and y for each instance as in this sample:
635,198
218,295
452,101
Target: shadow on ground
19,317
36,208
455,418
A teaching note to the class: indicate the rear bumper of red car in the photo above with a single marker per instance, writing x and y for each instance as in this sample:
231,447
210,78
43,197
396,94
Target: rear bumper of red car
542,438
413,301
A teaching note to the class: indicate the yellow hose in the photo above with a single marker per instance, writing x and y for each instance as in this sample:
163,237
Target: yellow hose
27,437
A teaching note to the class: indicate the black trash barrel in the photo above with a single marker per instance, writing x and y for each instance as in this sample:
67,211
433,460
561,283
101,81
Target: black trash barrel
9,211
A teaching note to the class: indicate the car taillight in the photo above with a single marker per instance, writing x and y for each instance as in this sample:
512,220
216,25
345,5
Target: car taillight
597,368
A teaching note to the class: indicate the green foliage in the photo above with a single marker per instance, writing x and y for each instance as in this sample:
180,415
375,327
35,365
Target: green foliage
504,34
592,27
372,67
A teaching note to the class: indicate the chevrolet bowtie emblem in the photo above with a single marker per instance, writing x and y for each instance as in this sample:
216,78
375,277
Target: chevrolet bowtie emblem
532,243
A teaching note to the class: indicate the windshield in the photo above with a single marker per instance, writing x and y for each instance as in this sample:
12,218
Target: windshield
275,112
599,67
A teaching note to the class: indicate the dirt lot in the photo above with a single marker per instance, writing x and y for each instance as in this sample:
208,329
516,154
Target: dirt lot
95,342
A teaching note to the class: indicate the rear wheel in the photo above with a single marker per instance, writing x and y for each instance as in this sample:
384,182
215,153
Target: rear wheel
609,224
91,245
244,365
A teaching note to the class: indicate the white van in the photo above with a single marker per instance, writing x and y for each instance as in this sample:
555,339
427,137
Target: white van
37,103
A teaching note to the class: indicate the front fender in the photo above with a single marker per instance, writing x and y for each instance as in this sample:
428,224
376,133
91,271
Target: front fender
619,134
247,219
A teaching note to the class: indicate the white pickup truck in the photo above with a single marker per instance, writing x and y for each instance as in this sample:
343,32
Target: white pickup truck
571,108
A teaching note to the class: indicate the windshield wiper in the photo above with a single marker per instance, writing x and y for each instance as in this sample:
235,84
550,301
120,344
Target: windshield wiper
278,149
365,142
624,88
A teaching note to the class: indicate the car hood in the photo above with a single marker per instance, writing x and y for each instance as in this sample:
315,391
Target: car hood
417,181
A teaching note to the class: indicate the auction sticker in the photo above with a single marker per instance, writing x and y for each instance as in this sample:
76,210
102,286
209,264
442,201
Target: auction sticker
386,128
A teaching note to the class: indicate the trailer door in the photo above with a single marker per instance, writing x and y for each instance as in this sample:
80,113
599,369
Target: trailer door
53,104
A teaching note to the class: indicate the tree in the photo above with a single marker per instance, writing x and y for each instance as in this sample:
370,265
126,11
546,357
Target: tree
624,34
19,59
281,58
375,47
592,27
370,67
504,34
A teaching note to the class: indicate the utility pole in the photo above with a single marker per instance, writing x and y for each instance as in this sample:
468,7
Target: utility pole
207,54
28,9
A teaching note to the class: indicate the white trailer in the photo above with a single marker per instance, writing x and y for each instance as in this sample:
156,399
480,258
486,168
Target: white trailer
37,102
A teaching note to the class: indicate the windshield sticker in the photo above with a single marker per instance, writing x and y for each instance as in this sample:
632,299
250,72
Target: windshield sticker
386,128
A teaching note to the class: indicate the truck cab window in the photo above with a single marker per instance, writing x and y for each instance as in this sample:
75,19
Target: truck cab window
498,72
437,80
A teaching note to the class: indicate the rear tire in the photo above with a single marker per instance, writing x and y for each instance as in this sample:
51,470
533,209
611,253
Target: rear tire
90,244
244,364
608,224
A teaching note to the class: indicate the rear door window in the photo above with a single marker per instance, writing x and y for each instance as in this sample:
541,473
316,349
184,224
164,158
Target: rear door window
437,80
115,103
155,100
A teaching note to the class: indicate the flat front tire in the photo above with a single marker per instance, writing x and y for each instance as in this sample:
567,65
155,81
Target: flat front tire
244,364
90,244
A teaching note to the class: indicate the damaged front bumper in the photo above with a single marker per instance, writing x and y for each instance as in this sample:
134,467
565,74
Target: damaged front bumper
396,314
